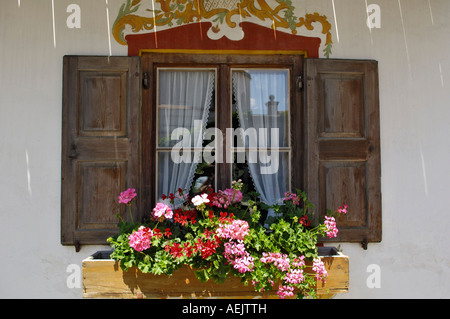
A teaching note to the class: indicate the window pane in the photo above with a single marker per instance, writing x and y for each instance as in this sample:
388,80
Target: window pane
261,125
261,98
185,101
174,174
277,163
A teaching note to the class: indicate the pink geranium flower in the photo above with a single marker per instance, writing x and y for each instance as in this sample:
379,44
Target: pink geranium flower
227,197
161,210
330,223
342,210
281,261
238,229
294,276
127,196
236,254
285,291
291,196
234,195
141,239
319,268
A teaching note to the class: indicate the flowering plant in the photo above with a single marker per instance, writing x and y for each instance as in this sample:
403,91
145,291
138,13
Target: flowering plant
220,233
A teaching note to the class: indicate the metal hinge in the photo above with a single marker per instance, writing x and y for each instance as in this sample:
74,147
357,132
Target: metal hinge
299,82
364,243
146,81
77,246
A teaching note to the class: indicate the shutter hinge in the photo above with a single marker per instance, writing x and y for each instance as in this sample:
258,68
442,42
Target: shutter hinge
73,151
77,246
299,82
146,81
364,243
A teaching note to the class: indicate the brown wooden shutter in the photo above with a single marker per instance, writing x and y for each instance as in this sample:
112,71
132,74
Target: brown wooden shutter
100,144
343,144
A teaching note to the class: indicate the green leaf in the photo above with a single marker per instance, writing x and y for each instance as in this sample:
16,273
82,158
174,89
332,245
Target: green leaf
202,275
129,263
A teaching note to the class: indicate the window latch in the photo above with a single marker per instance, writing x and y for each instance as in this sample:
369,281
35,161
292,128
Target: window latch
146,81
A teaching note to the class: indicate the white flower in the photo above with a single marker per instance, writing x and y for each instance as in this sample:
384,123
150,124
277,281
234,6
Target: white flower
200,199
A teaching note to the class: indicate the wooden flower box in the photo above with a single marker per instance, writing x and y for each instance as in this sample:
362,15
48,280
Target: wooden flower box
103,278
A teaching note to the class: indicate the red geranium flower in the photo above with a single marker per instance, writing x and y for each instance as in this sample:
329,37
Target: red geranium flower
304,221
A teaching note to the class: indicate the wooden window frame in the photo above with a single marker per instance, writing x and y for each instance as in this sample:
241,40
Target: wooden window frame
224,64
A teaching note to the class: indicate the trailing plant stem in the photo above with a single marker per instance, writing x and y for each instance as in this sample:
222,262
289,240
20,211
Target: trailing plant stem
131,215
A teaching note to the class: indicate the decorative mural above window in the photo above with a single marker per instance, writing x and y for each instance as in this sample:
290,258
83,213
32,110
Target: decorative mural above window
224,18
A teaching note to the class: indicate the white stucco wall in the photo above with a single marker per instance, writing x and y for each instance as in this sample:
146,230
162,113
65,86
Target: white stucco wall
412,48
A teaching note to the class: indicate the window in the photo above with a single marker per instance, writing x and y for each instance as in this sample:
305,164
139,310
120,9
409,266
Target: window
188,138
123,117
240,104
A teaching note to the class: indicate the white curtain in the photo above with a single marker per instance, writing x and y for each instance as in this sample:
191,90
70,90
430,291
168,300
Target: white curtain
262,106
184,101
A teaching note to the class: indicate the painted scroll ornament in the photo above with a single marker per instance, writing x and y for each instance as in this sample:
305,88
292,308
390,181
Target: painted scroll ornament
225,17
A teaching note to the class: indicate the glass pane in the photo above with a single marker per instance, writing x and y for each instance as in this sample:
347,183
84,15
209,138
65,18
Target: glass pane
261,107
261,125
185,98
174,173
185,109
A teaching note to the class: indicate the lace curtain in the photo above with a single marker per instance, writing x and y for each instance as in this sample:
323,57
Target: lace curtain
184,100
262,104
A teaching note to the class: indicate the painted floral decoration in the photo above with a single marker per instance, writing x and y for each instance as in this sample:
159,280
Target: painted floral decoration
222,233
137,16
